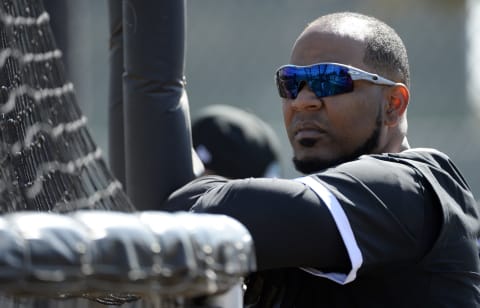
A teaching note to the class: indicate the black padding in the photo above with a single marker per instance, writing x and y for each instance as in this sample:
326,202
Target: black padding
157,124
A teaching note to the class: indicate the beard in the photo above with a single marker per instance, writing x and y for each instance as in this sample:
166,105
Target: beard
308,166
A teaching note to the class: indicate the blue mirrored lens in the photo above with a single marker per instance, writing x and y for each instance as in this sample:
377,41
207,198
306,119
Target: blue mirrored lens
322,79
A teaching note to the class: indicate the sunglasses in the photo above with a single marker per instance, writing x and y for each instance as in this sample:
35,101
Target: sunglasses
324,79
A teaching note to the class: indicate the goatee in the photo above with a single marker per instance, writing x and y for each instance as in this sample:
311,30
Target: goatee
308,166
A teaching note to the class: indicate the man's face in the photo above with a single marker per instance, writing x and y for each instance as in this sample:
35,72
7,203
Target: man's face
331,130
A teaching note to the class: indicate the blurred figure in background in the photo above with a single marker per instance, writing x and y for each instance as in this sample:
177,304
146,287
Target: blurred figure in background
236,144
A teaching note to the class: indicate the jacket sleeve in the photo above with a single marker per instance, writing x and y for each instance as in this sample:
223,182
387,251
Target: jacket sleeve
284,217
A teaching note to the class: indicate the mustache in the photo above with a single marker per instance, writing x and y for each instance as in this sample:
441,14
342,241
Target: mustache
308,125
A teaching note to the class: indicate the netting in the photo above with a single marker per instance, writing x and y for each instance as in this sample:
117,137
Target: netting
48,160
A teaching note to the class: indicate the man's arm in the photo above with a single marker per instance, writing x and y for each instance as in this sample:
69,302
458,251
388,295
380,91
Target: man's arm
287,220
390,211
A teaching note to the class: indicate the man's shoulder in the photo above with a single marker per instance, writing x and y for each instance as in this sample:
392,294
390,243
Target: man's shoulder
418,163
418,154
430,157
388,162
435,165
425,154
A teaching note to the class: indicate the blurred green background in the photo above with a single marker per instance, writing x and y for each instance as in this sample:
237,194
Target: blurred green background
234,47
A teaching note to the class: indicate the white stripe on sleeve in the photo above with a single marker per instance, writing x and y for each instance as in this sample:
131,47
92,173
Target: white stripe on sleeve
343,225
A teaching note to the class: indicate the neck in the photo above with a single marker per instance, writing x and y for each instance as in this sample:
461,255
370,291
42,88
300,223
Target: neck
404,145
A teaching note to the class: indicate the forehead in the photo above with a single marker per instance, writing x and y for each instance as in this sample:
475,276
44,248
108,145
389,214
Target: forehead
317,44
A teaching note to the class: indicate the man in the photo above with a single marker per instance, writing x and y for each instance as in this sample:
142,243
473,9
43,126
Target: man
376,223
223,134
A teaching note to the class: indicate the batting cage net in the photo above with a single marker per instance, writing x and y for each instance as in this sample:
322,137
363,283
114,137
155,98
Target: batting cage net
70,256
49,161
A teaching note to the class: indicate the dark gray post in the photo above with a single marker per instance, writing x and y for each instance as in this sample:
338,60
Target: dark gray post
157,124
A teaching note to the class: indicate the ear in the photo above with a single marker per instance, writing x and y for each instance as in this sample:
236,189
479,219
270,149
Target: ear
398,97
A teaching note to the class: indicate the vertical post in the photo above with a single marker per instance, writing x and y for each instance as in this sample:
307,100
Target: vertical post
116,134
157,121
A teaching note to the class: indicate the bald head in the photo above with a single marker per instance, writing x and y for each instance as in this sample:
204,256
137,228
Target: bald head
384,50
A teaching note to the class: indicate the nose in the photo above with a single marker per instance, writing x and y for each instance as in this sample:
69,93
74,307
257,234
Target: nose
306,99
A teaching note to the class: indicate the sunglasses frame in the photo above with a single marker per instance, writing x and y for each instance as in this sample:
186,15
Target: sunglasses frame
353,72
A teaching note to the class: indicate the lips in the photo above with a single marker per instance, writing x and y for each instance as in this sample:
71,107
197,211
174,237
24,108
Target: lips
308,131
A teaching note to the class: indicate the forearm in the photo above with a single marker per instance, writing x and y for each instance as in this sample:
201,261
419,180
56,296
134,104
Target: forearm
289,224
